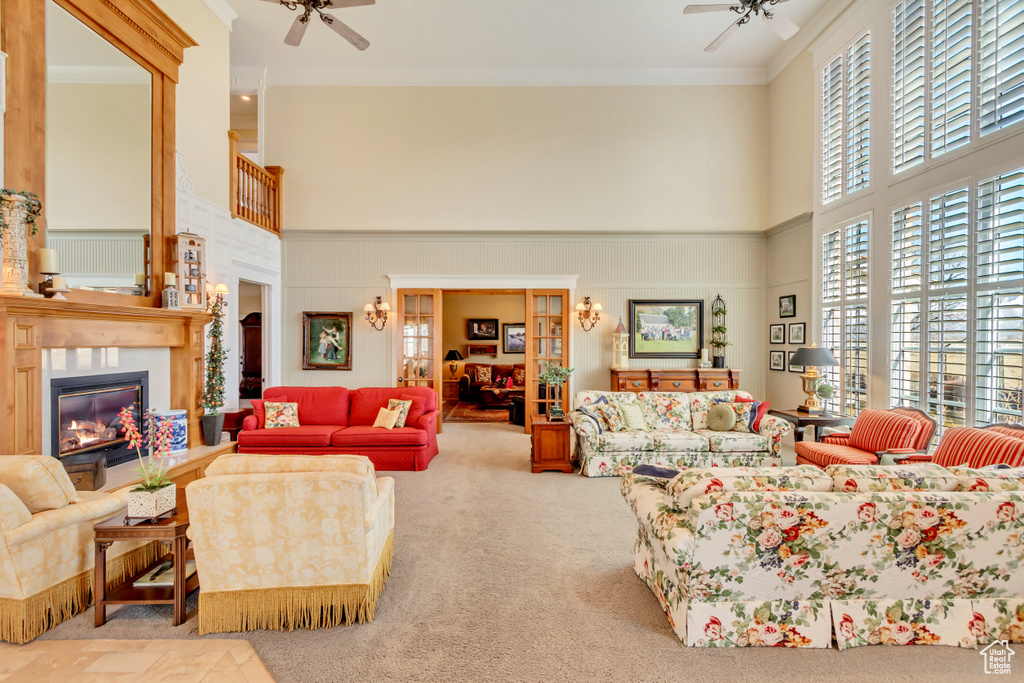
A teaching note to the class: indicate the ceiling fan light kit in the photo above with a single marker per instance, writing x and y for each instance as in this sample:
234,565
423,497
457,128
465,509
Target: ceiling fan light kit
308,7
785,28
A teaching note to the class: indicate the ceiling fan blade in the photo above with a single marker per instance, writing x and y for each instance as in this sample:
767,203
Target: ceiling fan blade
345,32
781,25
297,30
335,4
698,9
725,34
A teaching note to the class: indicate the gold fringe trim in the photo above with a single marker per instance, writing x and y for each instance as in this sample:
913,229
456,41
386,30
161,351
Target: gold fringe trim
288,608
22,620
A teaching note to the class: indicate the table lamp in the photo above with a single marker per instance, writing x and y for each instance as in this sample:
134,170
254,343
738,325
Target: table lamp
454,356
811,357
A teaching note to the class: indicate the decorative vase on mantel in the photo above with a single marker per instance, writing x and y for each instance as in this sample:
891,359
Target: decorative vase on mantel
15,209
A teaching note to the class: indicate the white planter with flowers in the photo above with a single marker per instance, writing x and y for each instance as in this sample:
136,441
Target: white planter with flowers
152,502
156,494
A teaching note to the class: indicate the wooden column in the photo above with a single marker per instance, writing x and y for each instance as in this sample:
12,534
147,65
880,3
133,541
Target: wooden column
189,374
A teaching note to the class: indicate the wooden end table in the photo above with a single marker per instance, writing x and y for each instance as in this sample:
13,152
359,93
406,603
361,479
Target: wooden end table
169,529
550,445
816,421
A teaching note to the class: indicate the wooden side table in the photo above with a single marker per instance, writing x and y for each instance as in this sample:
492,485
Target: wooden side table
450,390
169,529
816,421
550,449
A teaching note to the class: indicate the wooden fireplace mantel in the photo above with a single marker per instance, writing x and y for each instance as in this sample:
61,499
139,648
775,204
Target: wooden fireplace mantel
31,325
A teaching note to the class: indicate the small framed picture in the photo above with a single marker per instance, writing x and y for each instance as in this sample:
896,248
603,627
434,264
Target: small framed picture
787,306
777,334
794,368
482,329
777,360
513,337
796,332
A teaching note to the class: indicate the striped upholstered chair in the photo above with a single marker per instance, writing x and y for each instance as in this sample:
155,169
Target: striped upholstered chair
897,432
977,447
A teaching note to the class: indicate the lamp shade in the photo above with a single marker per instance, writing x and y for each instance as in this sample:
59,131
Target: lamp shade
813,356
453,354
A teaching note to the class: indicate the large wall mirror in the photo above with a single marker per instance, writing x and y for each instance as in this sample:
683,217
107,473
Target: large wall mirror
99,147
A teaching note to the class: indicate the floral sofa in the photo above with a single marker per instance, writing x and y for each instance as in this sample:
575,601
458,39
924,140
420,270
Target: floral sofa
679,439
788,557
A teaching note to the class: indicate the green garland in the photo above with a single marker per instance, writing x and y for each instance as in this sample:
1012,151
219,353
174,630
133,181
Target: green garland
213,395
35,207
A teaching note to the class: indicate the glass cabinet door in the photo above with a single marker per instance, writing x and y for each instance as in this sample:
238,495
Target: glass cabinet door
419,317
547,343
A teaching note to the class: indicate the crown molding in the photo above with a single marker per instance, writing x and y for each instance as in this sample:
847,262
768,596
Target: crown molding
518,235
98,74
223,11
483,281
517,77
809,33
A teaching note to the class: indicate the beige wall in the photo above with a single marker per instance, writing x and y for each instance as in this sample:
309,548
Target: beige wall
791,141
98,156
203,99
666,159
458,308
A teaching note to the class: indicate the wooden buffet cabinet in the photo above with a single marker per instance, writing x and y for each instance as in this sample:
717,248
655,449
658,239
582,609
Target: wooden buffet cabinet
682,379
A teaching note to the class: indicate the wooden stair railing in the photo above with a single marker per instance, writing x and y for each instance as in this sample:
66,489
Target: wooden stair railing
255,191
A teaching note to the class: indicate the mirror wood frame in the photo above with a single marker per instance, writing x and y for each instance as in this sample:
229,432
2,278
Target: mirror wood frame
139,29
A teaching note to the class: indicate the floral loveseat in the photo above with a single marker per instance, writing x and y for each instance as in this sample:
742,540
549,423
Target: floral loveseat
891,555
677,439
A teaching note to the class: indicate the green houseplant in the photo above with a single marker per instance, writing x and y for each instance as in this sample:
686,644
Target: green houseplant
156,493
554,376
718,332
212,399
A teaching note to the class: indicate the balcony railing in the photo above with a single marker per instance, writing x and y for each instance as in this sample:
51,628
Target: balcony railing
255,191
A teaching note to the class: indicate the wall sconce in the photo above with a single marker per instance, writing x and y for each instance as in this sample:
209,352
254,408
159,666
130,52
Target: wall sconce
589,313
377,313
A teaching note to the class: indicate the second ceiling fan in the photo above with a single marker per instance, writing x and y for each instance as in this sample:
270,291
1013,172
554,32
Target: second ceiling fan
298,28
747,8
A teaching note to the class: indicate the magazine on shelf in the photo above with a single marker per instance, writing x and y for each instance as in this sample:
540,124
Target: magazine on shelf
162,575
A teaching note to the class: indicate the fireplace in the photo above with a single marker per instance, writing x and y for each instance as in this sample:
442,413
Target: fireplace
84,414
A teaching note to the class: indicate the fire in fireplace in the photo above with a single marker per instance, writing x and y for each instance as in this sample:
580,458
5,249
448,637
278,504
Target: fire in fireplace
84,413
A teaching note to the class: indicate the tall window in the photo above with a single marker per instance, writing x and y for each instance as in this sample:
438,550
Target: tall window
846,121
959,258
844,314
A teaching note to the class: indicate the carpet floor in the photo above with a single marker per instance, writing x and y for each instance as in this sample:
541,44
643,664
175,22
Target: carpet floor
503,575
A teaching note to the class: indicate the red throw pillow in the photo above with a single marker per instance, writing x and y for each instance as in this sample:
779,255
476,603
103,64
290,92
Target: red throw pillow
417,410
761,410
260,412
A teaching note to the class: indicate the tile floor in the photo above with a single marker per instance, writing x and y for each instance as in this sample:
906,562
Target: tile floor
111,661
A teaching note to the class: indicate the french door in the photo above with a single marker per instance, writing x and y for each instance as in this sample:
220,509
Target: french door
547,343
419,339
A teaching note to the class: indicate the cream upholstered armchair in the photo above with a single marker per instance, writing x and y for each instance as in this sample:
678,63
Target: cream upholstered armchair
46,546
286,541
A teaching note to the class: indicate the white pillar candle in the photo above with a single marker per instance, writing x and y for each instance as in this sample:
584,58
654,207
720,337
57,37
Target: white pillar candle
59,282
170,279
704,354
140,279
48,261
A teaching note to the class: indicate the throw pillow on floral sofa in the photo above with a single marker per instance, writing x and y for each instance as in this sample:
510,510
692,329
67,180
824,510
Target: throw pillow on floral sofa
792,568
988,479
677,434
876,478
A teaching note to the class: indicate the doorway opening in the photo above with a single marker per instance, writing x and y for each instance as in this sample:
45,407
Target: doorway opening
251,343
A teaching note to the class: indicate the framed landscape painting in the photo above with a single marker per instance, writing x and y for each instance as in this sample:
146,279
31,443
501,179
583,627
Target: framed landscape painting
326,341
513,337
665,328
485,329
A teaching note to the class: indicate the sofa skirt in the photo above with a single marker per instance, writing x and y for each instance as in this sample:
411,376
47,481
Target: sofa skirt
621,463
384,459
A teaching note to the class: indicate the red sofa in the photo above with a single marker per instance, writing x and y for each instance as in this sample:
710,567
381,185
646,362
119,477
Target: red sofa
336,420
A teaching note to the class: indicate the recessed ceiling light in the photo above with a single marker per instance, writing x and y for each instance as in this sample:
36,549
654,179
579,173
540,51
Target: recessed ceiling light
246,98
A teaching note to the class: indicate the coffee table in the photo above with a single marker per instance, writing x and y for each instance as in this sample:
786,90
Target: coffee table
499,397
171,530
816,421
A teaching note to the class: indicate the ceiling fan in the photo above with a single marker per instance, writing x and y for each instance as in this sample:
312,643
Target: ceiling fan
298,29
746,8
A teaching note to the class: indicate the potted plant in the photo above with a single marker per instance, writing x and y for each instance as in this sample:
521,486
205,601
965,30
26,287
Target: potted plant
212,399
18,214
554,376
156,494
718,331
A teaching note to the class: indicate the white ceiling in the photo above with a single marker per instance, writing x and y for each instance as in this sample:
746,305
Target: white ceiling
525,42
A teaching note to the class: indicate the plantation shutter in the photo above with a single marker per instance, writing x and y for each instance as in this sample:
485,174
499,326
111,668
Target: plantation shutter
950,75
858,114
832,131
908,84
1000,63
905,321
948,239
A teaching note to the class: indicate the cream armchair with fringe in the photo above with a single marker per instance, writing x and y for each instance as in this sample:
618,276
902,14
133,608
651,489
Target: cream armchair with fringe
47,549
290,541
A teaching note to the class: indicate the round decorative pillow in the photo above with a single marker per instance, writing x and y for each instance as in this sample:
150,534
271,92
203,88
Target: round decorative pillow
721,418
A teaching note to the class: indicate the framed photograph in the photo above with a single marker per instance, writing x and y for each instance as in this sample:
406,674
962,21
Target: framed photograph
777,360
777,334
787,306
326,341
796,332
513,337
482,329
794,368
486,349
665,328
